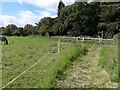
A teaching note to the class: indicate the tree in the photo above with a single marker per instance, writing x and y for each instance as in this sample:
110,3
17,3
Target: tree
2,30
19,32
75,20
29,29
60,6
10,29
110,16
45,26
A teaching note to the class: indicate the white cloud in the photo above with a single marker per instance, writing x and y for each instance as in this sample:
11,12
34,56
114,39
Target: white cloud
45,4
5,20
28,17
23,18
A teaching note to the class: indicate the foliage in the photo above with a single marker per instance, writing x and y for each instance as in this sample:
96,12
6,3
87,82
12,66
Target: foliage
45,26
10,29
109,29
75,20
110,16
78,19
29,29
60,6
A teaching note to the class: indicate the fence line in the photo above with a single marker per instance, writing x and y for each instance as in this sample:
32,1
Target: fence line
80,38
59,37
27,69
58,46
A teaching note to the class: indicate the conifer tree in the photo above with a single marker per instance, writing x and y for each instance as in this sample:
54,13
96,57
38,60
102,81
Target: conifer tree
60,6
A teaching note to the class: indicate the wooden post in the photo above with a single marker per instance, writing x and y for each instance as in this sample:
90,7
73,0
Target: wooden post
83,39
102,34
101,37
58,45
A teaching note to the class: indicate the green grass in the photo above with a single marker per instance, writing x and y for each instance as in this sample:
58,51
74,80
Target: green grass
109,58
22,52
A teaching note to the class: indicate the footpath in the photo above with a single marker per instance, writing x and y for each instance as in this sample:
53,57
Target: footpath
86,73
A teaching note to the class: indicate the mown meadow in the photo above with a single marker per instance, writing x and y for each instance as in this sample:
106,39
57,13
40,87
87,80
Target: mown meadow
23,52
98,68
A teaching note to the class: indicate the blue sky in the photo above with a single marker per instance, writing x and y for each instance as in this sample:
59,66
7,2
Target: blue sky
22,12
13,8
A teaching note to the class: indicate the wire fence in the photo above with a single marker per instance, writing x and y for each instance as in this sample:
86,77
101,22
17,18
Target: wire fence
82,39
0,66
25,70
58,47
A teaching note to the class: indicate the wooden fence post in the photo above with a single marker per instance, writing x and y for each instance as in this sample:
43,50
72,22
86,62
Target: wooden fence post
83,39
99,40
58,45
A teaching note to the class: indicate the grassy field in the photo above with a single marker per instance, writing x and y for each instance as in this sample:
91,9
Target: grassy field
23,52
97,69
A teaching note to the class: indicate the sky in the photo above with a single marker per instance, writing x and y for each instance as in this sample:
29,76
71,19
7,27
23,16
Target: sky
22,12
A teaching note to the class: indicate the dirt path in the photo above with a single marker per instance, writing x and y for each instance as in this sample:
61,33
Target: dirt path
86,73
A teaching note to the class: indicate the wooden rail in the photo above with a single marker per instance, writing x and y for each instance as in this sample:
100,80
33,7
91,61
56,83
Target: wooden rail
80,38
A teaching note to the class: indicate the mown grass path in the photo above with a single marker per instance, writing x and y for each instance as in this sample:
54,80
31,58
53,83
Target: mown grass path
86,73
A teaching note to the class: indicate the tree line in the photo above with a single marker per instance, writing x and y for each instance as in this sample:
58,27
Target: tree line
78,19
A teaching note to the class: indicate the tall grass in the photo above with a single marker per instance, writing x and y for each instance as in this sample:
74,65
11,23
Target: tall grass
109,58
22,52
61,62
